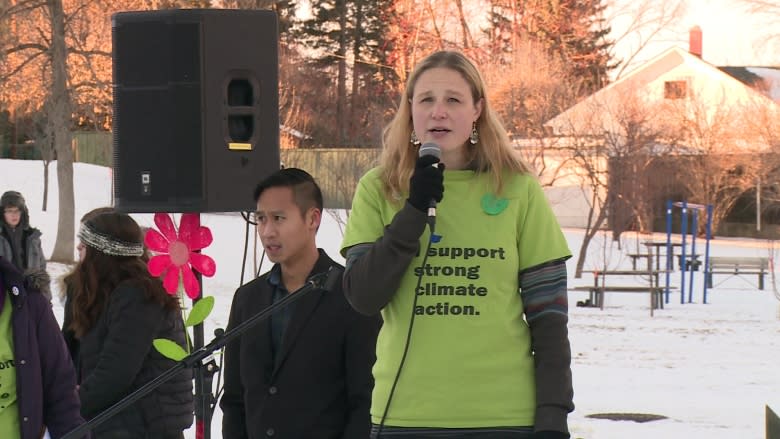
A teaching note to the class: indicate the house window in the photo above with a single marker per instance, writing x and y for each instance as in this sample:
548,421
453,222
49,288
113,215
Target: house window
675,89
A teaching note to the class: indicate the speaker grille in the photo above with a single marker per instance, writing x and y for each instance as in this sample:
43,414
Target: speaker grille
179,77
164,144
157,108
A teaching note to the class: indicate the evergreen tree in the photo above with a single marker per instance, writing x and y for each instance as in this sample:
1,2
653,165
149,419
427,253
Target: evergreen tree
348,38
502,30
574,31
285,11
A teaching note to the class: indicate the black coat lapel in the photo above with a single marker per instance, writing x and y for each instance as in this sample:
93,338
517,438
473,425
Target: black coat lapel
261,334
304,309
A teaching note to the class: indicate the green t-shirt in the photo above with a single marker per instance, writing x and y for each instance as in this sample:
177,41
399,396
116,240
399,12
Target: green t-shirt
9,409
469,362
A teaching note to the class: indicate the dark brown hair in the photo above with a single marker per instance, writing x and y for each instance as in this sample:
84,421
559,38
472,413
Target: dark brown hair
98,274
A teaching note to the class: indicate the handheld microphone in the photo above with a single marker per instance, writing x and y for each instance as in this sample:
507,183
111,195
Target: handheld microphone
430,148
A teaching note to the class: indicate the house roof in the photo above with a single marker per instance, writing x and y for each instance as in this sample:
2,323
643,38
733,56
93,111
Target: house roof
645,74
765,78
744,75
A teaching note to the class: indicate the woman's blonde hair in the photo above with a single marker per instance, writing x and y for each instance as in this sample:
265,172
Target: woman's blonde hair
493,152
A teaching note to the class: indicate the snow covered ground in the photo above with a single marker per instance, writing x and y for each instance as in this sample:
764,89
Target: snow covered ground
710,369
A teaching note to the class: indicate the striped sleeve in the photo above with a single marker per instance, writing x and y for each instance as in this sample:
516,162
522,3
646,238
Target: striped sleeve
543,289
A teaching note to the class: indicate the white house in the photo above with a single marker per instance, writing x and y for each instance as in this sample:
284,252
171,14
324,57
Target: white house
674,79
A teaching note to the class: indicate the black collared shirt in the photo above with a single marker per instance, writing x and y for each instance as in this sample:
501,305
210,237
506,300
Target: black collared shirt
280,319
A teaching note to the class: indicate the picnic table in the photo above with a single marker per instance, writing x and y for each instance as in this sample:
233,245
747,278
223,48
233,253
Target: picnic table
600,288
654,248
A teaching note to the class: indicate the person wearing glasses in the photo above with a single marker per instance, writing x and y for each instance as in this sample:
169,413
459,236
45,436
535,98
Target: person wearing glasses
20,243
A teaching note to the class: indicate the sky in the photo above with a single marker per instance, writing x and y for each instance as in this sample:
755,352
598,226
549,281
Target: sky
709,369
730,34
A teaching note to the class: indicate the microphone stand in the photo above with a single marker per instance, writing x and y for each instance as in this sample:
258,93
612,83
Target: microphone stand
203,356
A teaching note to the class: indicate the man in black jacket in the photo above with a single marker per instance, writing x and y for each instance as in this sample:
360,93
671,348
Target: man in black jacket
305,372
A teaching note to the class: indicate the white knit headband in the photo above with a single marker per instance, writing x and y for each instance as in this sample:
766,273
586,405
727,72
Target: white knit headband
107,244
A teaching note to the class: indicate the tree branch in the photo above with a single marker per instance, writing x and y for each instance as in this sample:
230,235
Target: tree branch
88,84
21,66
27,46
87,53
21,7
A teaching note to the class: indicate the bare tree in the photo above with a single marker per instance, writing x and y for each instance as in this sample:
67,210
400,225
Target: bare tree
60,121
44,143
766,123
647,21
613,140
588,153
769,12
292,115
55,58
637,141
468,40
722,149
528,87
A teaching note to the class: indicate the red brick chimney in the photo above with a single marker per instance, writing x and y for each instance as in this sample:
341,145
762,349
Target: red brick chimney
695,41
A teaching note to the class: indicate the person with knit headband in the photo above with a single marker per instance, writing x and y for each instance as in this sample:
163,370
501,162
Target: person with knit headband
118,309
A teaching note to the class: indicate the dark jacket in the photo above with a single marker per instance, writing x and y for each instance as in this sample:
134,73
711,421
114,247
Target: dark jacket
45,378
117,357
318,385
29,254
68,334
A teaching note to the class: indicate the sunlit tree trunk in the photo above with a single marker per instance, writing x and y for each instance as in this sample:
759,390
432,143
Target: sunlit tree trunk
467,39
357,42
59,118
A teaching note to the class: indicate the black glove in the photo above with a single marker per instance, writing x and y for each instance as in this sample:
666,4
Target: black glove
427,183
549,434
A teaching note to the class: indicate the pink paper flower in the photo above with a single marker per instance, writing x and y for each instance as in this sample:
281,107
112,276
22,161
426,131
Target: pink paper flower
178,252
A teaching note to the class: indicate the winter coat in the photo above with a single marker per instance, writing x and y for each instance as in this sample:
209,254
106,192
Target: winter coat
116,357
71,341
33,252
45,377
31,237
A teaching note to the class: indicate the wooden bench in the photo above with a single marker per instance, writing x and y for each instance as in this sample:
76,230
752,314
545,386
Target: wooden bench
737,266
596,294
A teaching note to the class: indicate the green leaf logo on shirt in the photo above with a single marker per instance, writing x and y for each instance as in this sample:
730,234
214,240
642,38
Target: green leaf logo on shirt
493,205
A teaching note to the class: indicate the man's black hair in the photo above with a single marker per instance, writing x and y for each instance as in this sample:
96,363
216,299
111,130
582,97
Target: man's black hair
306,192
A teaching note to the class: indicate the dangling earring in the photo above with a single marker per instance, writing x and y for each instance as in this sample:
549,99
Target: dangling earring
413,138
474,137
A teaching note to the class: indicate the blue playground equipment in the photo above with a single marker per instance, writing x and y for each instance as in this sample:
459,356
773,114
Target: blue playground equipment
685,264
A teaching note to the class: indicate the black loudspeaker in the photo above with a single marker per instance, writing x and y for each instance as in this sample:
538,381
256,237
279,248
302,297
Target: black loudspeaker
196,108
